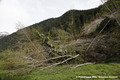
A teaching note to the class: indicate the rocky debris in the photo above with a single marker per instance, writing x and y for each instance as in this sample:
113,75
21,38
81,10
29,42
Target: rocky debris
92,26
77,45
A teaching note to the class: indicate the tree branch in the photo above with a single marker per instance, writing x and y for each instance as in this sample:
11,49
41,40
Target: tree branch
82,65
63,61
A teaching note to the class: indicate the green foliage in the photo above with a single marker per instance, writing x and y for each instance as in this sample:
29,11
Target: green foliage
65,72
59,34
11,60
60,28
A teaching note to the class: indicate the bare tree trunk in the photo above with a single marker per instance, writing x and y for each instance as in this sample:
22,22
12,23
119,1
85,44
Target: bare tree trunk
62,61
96,37
19,26
111,12
82,65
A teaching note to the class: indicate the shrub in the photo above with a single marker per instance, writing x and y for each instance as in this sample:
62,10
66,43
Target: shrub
11,60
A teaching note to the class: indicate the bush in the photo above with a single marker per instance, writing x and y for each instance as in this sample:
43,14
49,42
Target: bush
11,60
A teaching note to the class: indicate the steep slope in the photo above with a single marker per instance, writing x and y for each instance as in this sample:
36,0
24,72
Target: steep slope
69,23
92,26
69,34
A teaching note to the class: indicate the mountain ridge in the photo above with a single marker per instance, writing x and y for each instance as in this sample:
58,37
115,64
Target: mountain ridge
49,24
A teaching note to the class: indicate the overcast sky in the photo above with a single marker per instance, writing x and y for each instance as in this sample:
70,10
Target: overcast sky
32,11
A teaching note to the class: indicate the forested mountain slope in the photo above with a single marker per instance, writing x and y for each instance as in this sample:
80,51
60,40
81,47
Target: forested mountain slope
72,33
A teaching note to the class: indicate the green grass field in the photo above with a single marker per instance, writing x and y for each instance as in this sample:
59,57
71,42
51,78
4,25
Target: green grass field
65,72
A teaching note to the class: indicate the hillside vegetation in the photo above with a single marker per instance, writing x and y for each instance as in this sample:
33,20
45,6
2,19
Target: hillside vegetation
76,37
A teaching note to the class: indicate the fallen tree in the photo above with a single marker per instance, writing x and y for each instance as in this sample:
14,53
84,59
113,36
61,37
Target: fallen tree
55,64
82,65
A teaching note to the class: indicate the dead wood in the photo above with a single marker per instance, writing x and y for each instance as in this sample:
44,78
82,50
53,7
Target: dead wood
82,65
